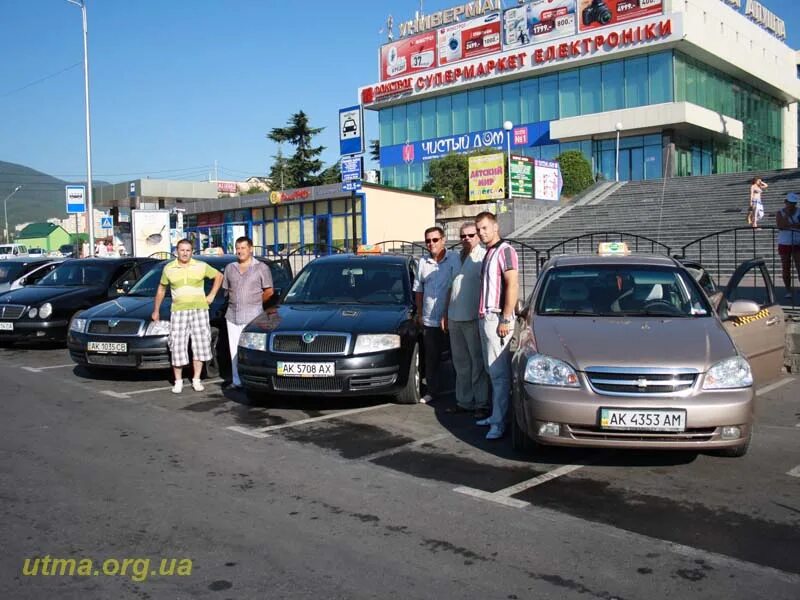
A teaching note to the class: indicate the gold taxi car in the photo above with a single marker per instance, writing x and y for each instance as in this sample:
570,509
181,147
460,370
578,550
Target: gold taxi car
629,352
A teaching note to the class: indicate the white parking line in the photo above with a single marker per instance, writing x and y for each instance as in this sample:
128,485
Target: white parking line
342,413
773,386
794,472
512,502
539,480
414,444
114,394
40,369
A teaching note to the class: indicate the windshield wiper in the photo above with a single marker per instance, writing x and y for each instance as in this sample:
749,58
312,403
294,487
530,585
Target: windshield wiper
569,313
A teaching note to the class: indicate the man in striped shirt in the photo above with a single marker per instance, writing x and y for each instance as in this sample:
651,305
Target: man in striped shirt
499,291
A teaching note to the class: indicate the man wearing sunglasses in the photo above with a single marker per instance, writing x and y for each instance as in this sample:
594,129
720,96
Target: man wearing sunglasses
435,273
472,382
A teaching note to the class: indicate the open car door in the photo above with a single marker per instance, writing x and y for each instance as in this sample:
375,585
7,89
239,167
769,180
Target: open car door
755,320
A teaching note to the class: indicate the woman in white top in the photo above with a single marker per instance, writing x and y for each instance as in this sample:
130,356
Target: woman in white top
756,207
788,222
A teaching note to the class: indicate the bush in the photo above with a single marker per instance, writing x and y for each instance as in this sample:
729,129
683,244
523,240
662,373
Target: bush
576,172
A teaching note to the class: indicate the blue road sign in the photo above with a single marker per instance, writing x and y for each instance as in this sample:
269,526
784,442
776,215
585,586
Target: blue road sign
351,185
76,199
351,130
351,168
106,223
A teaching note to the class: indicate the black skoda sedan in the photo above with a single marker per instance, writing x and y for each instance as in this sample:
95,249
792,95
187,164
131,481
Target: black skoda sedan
43,311
345,327
120,334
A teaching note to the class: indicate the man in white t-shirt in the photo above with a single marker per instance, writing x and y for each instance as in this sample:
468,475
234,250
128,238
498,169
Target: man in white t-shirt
472,382
435,273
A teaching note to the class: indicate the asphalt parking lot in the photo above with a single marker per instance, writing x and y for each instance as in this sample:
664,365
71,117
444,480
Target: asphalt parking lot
723,516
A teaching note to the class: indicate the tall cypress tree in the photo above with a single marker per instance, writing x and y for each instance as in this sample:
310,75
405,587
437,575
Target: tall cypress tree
302,167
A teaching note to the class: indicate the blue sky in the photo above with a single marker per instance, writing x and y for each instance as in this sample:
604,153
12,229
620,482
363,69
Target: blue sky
178,84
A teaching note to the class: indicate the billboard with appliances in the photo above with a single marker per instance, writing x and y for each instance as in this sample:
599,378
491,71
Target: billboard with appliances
593,14
408,55
537,21
468,39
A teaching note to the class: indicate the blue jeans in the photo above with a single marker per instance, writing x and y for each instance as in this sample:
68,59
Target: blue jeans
497,357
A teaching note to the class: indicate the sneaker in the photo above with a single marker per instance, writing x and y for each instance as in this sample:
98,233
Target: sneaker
178,387
197,386
426,399
495,432
483,422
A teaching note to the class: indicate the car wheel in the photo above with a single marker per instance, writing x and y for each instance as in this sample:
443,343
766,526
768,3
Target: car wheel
736,451
410,393
520,440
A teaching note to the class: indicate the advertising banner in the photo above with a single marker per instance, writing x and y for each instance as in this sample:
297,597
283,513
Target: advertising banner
408,56
521,180
150,232
537,21
486,177
593,14
469,39
547,180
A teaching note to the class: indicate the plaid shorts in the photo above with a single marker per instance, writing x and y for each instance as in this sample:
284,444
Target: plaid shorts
186,323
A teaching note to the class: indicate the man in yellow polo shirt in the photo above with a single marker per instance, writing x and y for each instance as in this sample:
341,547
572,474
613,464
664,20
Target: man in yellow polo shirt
185,278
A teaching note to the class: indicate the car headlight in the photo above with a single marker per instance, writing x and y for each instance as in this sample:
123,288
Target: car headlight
729,373
253,341
78,325
33,312
157,328
45,310
545,370
376,343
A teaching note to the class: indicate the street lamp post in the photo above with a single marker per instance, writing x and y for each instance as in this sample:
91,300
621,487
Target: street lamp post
618,127
89,203
508,126
5,211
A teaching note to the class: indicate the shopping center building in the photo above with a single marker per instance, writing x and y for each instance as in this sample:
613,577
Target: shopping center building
688,87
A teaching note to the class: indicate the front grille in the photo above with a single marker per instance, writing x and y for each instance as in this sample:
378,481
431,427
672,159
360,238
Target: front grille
121,327
580,432
614,381
11,311
308,384
375,381
112,360
323,343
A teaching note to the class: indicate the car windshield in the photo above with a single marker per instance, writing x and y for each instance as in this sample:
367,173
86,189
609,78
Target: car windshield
10,271
79,273
357,282
619,290
5,249
148,285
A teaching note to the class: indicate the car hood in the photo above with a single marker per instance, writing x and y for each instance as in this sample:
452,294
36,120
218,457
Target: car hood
584,342
133,307
348,318
37,294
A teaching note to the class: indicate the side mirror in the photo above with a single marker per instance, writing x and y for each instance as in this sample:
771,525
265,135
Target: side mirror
521,309
743,308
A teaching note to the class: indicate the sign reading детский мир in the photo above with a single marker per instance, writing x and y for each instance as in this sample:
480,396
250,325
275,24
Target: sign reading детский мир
486,177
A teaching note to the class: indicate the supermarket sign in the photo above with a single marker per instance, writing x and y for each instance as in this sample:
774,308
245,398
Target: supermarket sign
657,30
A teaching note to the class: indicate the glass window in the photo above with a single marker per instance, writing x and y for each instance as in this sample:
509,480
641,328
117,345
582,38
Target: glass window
569,93
338,206
428,109
635,81
321,207
294,210
258,214
511,104
493,97
283,212
460,115
660,67
529,94
652,162
414,120
477,121
444,116
385,121
400,131
613,81
548,97
591,90
308,230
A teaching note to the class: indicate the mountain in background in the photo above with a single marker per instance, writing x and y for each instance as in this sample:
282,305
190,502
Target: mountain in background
42,196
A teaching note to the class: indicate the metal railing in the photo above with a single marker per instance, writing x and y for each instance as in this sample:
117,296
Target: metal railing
587,243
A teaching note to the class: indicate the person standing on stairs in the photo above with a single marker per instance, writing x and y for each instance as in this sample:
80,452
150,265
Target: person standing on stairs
756,211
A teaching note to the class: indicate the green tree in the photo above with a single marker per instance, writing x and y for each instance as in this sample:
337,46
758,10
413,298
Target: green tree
375,150
332,174
279,175
576,172
302,167
448,177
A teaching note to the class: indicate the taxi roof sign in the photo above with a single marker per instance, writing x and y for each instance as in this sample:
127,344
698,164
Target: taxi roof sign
613,249
368,249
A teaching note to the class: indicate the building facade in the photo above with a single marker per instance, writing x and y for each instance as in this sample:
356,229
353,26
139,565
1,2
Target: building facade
691,87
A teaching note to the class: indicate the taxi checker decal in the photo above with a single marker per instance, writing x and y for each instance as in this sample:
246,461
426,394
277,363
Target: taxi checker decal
739,321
